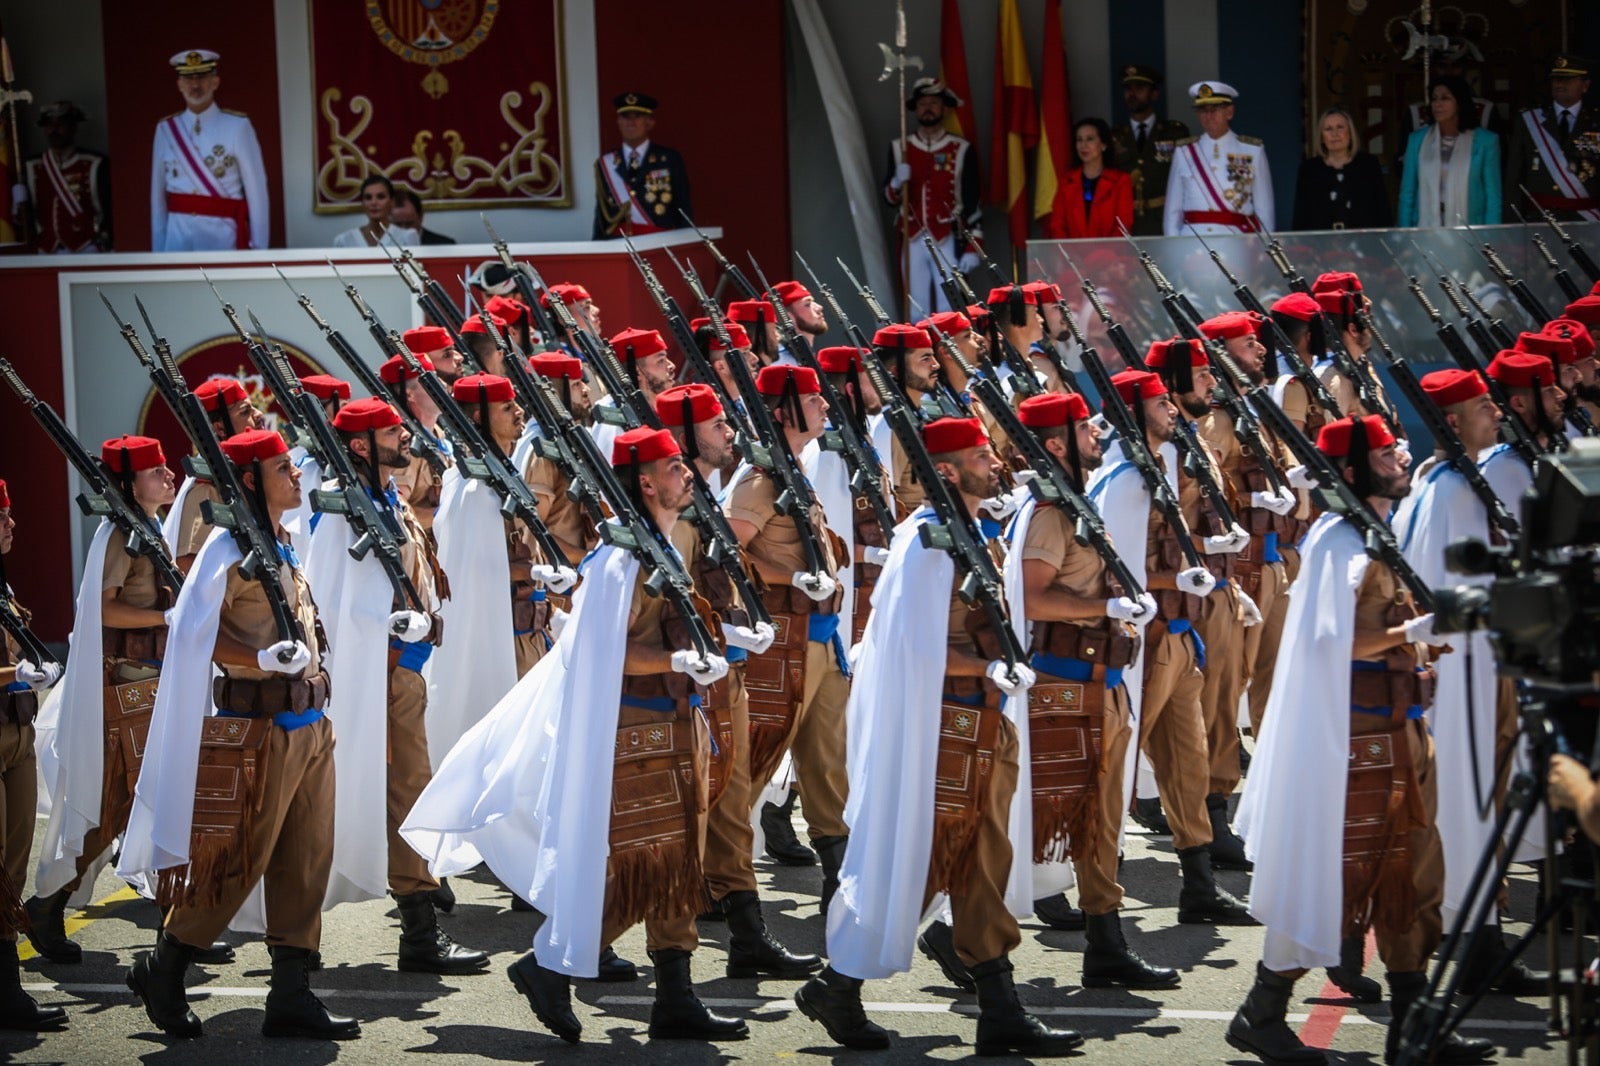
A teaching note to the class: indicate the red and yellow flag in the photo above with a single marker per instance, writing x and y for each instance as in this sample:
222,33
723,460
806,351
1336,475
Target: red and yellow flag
1016,122
1056,153
953,71
10,166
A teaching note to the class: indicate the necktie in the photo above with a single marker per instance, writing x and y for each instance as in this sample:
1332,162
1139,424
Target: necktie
1138,138
633,159
1566,124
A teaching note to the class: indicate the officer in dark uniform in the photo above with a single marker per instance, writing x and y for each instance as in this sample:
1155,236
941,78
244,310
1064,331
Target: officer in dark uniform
640,187
1142,147
1555,148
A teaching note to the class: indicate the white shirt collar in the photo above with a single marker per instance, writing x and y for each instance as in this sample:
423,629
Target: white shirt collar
641,151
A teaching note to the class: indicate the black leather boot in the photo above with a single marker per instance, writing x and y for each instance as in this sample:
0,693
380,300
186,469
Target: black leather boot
613,968
678,1013
1201,901
1259,1027
549,994
1404,990
777,824
752,951
293,1009
18,1010
831,851
1058,913
1004,1028
48,915
937,942
156,977
444,897
1347,976
217,954
425,948
834,1001
1517,979
1227,850
1108,962
1148,813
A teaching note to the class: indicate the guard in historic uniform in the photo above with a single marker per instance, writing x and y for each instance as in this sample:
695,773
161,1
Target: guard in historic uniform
640,187
1219,182
1142,147
208,184
69,187
1555,148
933,180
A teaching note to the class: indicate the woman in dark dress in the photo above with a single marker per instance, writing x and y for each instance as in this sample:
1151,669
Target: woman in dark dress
1341,187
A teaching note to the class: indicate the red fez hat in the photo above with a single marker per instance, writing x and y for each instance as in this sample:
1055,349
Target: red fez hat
840,359
1050,409
643,445
1574,331
772,379
790,291
1229,325
945,435
979,314
644,342
1334,439
1453,386
394,370
1549,345
1337,281
687,404
1003,294
569,293
1137,385
219,393
475,324
5,494
325,386
1522,370
899,335
128,454
556,365
367,413
1297,305
1585,310
253,445
753,311
1339,302
475,387
1161,351
1594,290
1043,291
425,340
736,334
947,322
504,307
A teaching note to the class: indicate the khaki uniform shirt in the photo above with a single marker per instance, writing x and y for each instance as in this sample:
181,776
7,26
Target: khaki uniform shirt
247,618
134,576
193,529
777,541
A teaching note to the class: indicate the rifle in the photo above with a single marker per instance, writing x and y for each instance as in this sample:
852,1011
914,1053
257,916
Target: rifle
1444,437
1025,384
376,531
438,306
104,498
194,465
524,284
729,270
1485,336
678,326
1569,288
1315,389
450,322
1517,286
245,522
1334,492
1134,444
423,444
1580,254
33,649
964,236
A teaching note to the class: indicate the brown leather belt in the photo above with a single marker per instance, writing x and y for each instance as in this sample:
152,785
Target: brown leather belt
1398,690
148,644
253,699
1099,645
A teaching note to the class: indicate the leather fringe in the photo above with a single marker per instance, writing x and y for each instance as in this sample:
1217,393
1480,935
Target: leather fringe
1064,828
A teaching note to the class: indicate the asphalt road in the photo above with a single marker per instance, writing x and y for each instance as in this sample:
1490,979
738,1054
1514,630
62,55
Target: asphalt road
406,1017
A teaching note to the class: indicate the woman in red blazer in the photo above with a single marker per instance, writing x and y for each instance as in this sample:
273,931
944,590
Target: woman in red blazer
1093,197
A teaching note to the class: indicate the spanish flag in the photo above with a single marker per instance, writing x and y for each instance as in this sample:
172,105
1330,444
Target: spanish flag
1056,151
953,71
1016,123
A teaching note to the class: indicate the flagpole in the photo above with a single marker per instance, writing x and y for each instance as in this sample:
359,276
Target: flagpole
905,194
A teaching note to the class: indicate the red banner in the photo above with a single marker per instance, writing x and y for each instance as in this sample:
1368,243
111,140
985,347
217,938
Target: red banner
458,100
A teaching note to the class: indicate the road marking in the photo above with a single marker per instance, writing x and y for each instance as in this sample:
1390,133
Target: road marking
83,918
238,992
1326,1018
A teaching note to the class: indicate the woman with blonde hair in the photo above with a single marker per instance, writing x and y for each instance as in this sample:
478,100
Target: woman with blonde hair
1341,187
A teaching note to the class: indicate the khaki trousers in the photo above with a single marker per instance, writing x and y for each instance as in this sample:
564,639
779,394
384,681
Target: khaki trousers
1172,733
18,797
1223,633
290,847
818,744
530,649
409,774
728,863
1098,889
1261,642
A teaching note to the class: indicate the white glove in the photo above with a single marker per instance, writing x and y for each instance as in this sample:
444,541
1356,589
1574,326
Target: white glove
1125,609
1001,675
875,555
1271,501
820,587
707,671
558,622
1402,448
1252,613
557,579
1301,478
853,655
1025,475
1419,630
409,626
38,678
902,174
998,507
754,639
1197,580
168,615
297,657
1227,543
19,195
968,262
1147,611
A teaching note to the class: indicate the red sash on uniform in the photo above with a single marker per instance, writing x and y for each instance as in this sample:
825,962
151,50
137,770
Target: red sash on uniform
622,193
1221,216
210,203
1555,161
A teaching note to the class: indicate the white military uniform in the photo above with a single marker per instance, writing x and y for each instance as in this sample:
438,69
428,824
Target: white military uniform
212,155
1219,185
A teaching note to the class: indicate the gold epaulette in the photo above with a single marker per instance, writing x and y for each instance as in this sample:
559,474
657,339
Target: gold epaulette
231,111
1187,140
1253,141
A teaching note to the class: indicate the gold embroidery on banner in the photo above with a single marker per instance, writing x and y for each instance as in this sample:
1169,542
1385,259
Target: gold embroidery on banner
431,34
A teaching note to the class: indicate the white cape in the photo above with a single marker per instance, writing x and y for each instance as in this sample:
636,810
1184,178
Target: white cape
169,524
830,480
297,523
